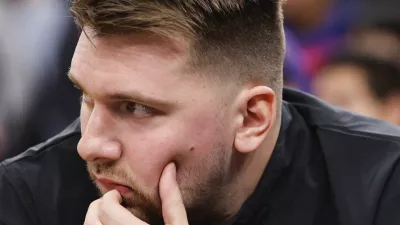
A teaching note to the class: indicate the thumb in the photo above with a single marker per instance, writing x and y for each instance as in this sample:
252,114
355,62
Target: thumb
113,196
174,212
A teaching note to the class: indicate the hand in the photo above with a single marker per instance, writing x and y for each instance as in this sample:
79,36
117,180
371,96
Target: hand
108,210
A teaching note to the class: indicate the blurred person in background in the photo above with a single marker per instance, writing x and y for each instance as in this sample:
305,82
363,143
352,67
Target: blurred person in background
380,39
314,31
36,100
363,84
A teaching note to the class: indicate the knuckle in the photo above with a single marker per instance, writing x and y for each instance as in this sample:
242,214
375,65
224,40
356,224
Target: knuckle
94,204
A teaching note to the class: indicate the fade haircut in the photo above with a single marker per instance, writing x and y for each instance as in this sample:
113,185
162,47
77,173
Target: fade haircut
235,40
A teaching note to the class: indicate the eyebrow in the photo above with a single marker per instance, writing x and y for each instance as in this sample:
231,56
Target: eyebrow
75,82
134,96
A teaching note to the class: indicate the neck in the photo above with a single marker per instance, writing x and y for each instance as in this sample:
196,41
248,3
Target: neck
248,170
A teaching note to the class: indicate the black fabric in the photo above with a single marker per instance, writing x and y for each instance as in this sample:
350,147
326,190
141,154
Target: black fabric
47,184
329,167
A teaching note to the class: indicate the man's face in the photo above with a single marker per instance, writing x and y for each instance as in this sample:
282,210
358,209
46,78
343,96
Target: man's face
347,86
141,110
381,43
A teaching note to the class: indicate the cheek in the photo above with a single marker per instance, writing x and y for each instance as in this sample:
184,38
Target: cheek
185,140
146,153
204,130
204,137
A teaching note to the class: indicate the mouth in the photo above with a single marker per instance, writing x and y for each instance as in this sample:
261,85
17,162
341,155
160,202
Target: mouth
109,184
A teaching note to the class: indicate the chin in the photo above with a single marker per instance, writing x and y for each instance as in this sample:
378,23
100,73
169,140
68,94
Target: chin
146,216
139,213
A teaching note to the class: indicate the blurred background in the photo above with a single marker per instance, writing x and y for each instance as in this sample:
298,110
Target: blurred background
346,52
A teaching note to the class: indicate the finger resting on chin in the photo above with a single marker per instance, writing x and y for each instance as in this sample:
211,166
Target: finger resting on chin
112,196
172,204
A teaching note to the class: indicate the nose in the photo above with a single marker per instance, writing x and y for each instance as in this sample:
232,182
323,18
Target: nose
99,143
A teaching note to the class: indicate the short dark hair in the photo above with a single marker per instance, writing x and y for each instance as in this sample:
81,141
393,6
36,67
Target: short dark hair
241,39
383,76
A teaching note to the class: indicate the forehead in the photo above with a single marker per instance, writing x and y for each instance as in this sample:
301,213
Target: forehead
140,61
129,49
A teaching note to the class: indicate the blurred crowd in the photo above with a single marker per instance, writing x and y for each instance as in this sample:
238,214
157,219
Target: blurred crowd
346,52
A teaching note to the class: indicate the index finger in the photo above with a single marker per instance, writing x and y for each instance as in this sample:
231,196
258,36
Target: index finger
172,204
113,196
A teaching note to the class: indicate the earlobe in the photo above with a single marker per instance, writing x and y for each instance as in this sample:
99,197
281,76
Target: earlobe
258,116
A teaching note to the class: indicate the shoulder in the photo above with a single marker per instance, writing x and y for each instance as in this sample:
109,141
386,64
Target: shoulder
361,154
346,138
328,119
31,183
389,205
64,140
46,158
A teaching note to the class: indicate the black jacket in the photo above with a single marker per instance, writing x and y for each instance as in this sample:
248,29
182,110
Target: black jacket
330,167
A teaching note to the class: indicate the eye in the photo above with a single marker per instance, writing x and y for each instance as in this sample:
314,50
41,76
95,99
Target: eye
138,110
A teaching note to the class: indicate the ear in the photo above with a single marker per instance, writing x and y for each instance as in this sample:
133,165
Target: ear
256,113
393,108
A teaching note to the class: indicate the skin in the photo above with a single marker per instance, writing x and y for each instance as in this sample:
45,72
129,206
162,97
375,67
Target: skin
381,43
347,86
108,209
142,110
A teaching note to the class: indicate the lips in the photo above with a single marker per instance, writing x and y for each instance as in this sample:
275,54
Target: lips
109,185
